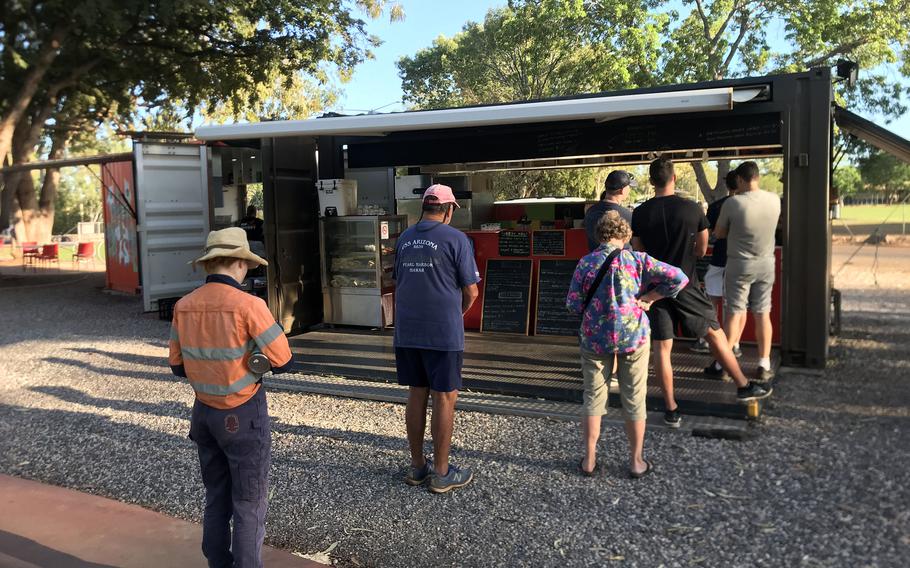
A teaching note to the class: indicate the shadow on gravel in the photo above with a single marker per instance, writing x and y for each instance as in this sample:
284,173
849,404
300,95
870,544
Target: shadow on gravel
174,409
165,377
132,358
169,409
91,452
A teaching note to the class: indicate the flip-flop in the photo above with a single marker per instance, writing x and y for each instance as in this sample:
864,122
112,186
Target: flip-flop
584,473
647,470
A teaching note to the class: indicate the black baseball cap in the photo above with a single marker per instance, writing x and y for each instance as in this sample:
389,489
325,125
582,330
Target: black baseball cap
619,179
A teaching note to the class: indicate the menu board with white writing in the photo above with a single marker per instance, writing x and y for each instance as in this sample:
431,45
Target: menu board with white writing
506,296
553,280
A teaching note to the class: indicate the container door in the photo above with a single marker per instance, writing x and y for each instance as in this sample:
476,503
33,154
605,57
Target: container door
173,213
292,232
121,249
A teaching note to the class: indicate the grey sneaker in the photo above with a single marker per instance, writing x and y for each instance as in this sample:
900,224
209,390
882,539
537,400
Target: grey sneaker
419,475
453,480
672,418
737,352
763,375
700,346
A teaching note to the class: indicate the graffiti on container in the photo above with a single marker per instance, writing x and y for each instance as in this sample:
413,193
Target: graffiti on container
121,231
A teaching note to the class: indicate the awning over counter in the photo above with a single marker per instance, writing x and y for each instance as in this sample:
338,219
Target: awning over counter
596,108
868,131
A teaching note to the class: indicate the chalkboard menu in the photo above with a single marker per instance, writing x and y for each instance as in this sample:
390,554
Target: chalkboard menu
514,243
553,282
549,243
506,296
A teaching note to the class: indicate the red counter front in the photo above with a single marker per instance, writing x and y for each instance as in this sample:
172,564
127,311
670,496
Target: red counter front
486,247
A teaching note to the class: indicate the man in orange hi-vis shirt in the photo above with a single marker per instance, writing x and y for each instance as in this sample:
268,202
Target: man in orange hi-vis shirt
216,329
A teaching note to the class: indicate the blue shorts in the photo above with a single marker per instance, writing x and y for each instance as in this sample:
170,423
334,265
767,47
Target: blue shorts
427,368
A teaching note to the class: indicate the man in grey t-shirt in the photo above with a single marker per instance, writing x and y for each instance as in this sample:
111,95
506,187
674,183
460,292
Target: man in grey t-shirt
748,221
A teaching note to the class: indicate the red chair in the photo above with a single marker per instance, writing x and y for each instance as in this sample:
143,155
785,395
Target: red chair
85,252
30,254
50,254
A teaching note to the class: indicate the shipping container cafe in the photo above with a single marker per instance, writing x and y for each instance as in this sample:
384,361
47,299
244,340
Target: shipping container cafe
337,191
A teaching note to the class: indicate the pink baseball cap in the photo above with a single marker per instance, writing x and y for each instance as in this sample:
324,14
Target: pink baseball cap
442,193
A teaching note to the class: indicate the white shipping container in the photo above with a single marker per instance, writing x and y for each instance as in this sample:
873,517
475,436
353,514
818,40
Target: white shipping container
338,193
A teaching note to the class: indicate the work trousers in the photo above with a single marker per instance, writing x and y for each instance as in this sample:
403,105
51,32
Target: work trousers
234,453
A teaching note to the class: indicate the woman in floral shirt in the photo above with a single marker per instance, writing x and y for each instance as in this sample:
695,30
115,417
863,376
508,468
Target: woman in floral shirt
615,326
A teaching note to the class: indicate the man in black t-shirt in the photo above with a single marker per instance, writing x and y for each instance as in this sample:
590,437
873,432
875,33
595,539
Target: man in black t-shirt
616,191
674,229
252,225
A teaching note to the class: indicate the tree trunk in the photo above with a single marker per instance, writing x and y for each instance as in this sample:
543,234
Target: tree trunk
19,103
38,212
719,190
7,197
20,186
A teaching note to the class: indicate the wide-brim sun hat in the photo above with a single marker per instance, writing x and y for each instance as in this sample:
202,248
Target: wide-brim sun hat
231,243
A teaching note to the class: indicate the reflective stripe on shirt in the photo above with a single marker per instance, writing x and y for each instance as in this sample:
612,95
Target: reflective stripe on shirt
224,390
216,353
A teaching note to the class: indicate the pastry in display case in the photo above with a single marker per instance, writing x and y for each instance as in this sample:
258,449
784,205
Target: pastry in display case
358,258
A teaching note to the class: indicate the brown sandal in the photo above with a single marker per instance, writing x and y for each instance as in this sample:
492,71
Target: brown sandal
647,470
584,473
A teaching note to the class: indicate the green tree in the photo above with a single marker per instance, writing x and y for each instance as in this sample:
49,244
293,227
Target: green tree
847,180
539,48
536,49
72,63
883,171
532,50
292,97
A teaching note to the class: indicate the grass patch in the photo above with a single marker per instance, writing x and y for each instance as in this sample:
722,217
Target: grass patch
869,214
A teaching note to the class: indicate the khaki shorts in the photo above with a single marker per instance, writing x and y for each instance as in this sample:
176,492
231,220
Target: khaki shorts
632,372
748,285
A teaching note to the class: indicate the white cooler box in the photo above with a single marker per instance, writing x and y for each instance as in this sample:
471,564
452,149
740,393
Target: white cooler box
338,193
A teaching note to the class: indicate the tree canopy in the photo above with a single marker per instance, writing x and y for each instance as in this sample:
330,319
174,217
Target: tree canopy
883,171
542,48
66,65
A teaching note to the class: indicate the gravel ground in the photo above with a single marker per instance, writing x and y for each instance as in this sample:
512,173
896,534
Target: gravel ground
87,403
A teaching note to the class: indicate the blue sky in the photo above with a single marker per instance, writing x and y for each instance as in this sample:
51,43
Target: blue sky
375,83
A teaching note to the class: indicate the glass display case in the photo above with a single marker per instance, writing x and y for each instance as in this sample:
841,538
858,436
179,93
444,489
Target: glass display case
358,256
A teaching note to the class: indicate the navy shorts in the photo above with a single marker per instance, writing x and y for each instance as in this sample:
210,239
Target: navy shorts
691,310
437,370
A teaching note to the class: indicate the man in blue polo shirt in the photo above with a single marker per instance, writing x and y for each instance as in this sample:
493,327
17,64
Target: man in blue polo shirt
436,283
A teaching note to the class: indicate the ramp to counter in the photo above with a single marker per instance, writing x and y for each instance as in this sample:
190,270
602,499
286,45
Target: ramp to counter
546,368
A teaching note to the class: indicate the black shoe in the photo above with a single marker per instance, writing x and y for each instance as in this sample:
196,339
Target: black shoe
712,372
763,375
672,418
754,391
701,346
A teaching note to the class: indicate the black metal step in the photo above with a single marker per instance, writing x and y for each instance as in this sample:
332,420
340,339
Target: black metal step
546,368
